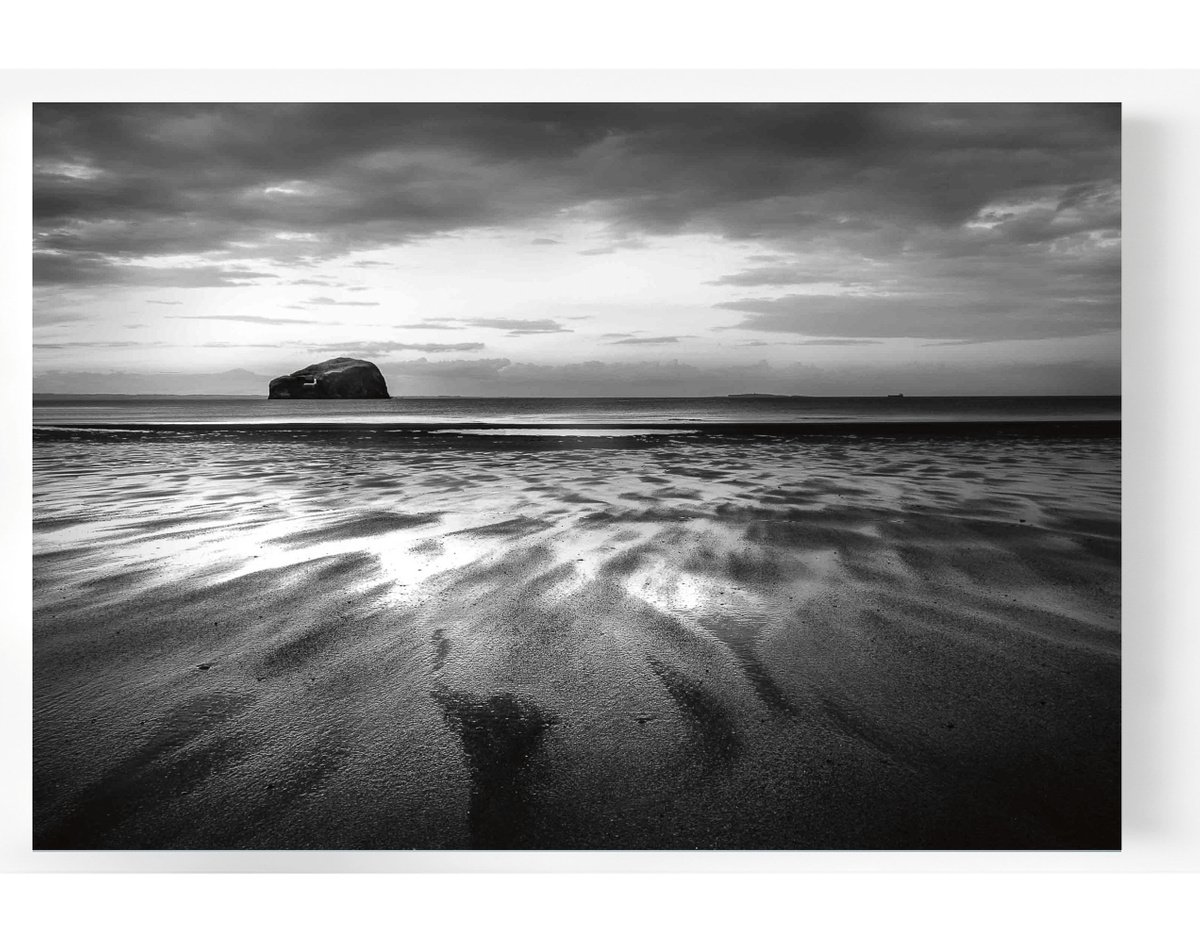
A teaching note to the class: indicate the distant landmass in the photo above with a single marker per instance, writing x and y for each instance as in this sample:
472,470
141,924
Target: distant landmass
120,383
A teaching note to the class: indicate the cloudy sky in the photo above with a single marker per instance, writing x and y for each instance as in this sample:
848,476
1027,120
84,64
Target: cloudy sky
592,249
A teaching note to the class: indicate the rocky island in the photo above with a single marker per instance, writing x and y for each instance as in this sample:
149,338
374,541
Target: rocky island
339,378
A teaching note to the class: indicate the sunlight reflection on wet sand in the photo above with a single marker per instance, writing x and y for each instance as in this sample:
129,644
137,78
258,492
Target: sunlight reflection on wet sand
316,640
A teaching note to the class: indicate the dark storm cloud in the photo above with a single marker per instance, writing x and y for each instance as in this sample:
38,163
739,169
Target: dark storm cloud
776,275
837,342
98,345
89,269
55,318
815,342
332,302
515,327
298,182
526,325
672,339
433,325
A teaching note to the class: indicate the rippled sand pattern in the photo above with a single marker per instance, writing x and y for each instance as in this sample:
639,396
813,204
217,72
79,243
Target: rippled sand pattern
369,641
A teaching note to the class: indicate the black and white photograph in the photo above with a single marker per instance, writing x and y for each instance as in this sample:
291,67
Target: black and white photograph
597,476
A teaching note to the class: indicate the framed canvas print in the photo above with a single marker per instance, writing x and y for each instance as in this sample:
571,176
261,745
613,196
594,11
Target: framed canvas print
597,476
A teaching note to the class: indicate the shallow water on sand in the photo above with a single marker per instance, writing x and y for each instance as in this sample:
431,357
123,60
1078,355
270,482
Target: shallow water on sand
355,640
58,410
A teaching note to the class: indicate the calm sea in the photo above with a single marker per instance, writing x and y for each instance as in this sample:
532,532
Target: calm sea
149,410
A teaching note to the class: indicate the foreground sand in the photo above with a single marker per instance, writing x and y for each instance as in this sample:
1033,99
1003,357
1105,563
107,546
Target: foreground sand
354,640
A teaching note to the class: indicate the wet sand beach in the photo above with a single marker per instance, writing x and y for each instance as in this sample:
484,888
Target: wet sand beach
363,639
